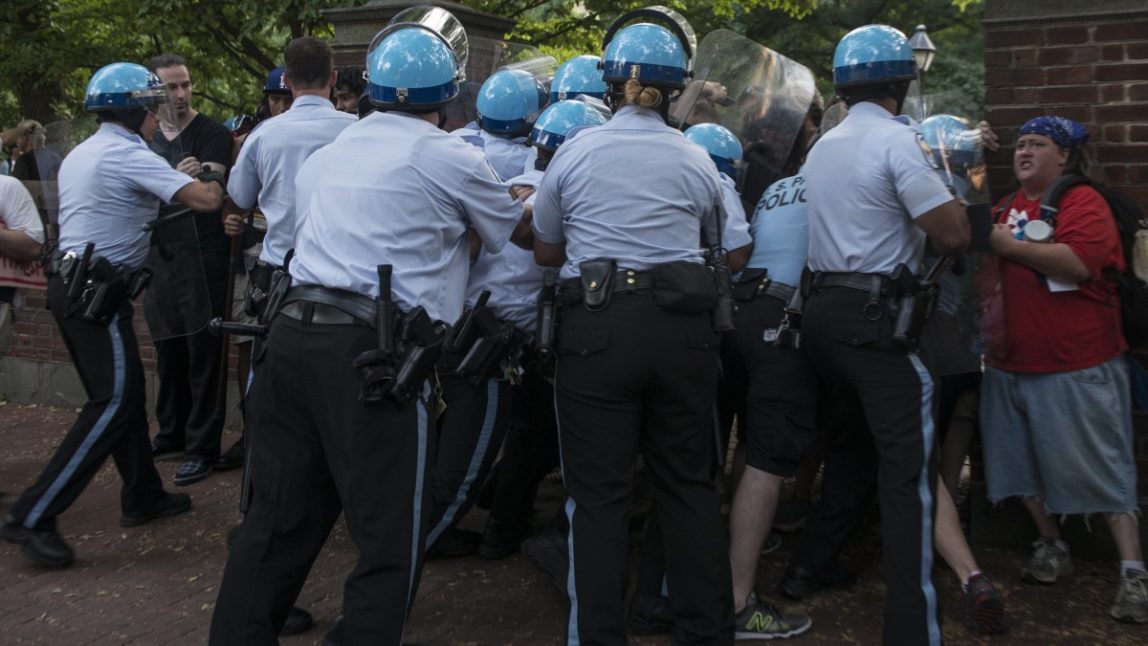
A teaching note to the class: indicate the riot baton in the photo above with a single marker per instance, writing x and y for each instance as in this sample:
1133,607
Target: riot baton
218,326
168,218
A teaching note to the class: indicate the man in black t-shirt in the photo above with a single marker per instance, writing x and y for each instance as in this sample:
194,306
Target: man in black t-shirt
188,361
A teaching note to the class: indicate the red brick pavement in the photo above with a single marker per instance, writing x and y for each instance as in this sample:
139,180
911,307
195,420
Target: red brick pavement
157,584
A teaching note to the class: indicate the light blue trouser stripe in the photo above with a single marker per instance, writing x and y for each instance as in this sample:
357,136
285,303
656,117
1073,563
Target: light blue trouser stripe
420,469
928,435
119,370
571,591
480,450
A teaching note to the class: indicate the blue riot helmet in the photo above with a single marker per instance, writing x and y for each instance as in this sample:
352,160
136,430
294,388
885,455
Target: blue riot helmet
275,83
579,75
124,87
417,61
127,92
509,102
653,54
953,141
721,144
871,62
559,119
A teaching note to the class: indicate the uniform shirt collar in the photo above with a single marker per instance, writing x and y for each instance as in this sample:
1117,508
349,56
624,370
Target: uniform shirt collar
633,117
310,100
117,130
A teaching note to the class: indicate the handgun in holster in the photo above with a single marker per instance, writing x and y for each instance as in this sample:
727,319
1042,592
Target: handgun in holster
378,364
545,339
467,330
488,348
789,330
105,291
914,306
424,340
75,271
277,290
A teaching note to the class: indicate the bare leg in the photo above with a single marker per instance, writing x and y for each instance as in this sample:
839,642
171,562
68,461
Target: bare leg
1045,523
754,505
1126,530
949,538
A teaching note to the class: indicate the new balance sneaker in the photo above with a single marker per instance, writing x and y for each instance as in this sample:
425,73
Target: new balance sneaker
1131,605
771,544
761,620
193,469
984,608
1048,561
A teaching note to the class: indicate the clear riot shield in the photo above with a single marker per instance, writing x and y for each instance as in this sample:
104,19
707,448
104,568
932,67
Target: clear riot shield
486,57
958,149
760,95
178,300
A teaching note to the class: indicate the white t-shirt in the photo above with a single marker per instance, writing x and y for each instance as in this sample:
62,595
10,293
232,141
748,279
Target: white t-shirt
18,210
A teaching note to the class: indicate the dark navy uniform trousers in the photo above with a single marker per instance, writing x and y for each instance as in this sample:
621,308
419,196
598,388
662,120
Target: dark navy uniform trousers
633,379
852,348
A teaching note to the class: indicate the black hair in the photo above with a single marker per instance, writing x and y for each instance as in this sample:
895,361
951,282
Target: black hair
352,79
895,90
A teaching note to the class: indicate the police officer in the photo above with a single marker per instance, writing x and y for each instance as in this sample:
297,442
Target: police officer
579,76
873,197
508,103
110,185
344,414
621,209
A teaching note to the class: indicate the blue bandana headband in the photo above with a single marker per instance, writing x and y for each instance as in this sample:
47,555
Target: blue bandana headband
1065,132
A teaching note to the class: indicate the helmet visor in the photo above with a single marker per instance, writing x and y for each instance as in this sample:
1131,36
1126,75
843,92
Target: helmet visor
439,21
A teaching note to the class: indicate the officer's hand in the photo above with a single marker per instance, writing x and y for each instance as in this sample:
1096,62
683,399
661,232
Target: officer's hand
233,224
521,192
1001,238
189,165
988,137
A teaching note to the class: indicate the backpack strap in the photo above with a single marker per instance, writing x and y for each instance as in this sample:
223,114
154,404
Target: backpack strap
1050,201
999,212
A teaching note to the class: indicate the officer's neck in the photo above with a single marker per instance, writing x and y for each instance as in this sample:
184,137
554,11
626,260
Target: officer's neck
322,92
889,104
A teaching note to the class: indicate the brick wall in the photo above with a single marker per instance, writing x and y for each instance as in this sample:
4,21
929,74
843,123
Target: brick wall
1085,61
1091,68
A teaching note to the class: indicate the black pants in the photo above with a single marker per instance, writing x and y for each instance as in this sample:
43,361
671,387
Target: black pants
638,378
319,451
113,420
188,369
896,396
529,453
470,433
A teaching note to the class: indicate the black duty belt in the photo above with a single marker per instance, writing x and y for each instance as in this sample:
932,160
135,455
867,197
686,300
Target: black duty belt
316,305
628,280
753,286
868,283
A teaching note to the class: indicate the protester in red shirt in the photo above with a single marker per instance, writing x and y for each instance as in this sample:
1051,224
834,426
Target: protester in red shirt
1055,400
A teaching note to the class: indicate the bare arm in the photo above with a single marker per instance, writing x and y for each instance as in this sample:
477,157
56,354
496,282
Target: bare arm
1053,259
947,227
549,254
738,257
205,197
18,245
523,235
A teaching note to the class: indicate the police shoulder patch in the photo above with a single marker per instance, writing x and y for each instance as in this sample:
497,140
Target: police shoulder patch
927,151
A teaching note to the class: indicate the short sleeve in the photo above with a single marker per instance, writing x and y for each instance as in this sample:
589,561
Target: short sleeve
243,184
547,219
489,207
18,210
151,173
914,174
1085,223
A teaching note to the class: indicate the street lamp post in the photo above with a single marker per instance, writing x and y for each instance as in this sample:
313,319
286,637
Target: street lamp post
923,53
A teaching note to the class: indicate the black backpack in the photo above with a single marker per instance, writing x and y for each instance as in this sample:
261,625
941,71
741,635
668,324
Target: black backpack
1131,225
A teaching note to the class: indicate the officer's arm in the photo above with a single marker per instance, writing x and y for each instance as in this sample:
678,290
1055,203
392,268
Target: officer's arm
1055,260
205,197
18,245
549,254
947,227
738,257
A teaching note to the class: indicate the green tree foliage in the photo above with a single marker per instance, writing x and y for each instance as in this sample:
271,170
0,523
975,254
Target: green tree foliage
51,47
